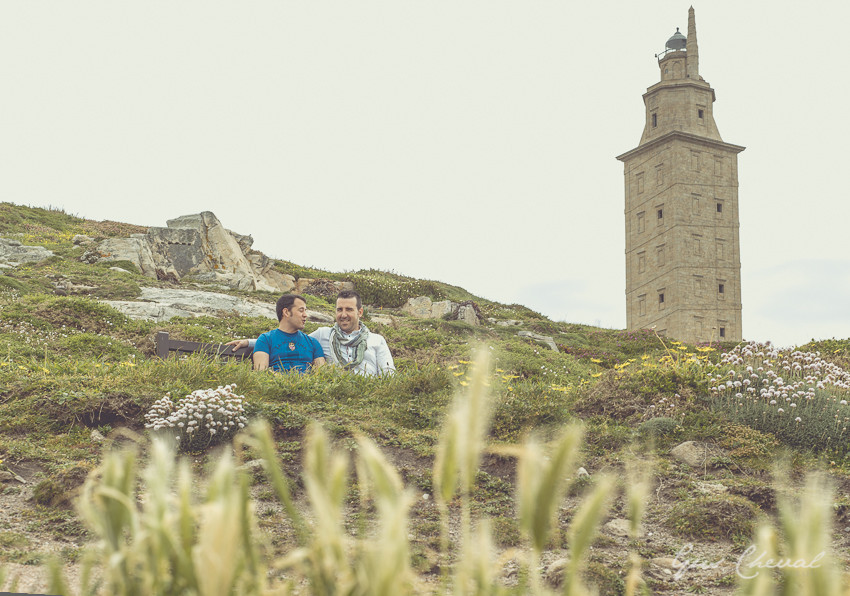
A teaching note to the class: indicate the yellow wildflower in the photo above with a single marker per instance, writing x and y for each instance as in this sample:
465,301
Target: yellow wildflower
464,362
596,375
596,360
464,383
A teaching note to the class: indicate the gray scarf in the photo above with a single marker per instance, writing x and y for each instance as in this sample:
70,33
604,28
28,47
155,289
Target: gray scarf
358,343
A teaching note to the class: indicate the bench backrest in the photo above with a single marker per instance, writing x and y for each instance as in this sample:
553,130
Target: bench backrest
165,347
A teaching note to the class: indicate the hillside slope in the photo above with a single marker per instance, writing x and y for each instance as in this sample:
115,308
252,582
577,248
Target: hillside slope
74,370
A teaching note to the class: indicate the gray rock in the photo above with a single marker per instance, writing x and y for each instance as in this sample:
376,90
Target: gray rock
135,249
9,476
162,304
508,323
442,308
197,246
420,307
541,338
381,319
467,314
582,472
13,253
97,436
696,455
620,527
81,238
118,269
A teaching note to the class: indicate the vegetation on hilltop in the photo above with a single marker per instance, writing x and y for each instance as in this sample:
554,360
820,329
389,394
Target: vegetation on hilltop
71,365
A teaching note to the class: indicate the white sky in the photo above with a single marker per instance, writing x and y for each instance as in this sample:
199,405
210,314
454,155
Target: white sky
471,142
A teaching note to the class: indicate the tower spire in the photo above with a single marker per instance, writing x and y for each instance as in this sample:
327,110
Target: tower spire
693,52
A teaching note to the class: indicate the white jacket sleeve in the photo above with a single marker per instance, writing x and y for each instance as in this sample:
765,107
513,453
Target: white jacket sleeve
384,359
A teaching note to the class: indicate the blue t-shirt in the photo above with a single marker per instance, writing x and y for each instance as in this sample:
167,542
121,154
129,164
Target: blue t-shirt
289,350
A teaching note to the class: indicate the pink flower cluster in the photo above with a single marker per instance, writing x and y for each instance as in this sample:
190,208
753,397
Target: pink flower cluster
761,371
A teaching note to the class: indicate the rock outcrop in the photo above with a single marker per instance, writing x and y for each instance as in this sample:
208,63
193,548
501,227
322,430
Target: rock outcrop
196,246
14,253
549,341
423,308
162,304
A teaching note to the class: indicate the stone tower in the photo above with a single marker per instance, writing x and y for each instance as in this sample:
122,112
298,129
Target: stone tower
683,259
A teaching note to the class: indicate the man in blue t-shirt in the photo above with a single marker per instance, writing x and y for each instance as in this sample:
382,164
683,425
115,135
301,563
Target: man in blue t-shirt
287,347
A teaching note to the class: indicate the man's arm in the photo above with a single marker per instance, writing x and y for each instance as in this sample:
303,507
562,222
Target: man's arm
319,361
261,360
384,359
241,343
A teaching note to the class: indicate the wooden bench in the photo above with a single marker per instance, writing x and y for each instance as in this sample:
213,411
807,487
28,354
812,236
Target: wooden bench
165,346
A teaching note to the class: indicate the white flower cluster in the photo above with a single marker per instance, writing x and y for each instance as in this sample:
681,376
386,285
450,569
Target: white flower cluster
764,373
200,419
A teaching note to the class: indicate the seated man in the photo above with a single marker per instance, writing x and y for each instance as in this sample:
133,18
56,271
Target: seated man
287,347
349,343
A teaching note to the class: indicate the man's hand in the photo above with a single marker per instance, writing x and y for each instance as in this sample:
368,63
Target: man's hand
238,343
261,360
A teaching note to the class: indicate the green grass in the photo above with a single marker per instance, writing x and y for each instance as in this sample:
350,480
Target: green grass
69,364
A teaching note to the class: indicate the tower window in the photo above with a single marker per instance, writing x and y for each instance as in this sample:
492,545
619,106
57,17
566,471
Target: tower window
721,288
660,213
641,223
661,298
654,120
723,332
720,207
700,114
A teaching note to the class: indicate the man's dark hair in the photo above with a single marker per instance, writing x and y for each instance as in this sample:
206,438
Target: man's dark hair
351,294
286,301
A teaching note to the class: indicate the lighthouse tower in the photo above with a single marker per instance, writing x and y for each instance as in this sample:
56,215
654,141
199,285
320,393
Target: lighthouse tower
683,258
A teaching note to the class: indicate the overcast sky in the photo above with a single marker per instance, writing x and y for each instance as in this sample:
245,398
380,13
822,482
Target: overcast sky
471,142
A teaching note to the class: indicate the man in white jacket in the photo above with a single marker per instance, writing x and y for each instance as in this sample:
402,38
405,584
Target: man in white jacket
349,343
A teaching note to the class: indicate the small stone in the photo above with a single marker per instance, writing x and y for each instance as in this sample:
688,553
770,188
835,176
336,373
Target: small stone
118,269
80,238
6,476
97,437
667,562
619,527
582,472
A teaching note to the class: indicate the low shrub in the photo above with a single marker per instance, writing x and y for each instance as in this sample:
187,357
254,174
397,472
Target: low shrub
391,290
713,517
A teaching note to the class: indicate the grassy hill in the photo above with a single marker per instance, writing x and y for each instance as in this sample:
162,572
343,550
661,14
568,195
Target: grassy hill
71,365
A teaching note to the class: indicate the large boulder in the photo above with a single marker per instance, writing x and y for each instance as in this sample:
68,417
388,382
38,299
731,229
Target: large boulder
14,253
196,246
